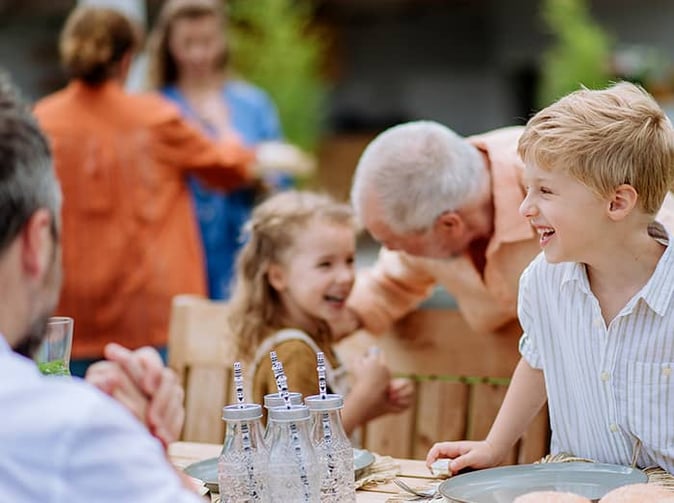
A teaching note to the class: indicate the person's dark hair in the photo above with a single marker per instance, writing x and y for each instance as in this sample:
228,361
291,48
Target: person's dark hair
93,42
27,179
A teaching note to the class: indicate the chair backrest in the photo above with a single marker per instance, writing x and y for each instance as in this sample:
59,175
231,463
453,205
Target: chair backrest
461,378
202,354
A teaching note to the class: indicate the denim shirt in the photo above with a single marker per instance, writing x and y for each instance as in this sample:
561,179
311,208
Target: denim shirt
221,216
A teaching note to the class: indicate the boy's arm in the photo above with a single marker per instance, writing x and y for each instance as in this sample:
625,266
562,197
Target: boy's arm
524,399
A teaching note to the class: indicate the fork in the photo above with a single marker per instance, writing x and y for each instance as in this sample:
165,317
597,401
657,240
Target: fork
420,493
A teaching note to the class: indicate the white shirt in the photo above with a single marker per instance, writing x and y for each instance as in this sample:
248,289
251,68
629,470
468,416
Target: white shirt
606,386
62,440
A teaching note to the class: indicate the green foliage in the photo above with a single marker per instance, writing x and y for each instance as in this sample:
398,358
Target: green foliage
580,55
274,47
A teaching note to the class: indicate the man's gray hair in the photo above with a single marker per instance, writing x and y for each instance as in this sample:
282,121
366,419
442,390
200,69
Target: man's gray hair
27,179
416,171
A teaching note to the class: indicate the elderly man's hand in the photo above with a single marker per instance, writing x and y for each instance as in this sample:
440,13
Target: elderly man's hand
139,380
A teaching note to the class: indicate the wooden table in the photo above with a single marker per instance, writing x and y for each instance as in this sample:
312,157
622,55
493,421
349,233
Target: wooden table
414,472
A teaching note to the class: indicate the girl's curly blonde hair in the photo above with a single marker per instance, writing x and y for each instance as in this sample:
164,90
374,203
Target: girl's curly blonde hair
255,306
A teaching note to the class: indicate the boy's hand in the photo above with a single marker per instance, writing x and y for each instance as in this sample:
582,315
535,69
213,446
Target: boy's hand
400,394
465,454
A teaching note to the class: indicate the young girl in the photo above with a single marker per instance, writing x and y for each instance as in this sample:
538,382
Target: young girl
293,277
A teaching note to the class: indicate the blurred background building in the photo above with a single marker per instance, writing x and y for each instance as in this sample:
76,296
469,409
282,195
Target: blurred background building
471,64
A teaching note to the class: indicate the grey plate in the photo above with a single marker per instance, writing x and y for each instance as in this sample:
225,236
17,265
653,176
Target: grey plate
361,460
503,484
207,470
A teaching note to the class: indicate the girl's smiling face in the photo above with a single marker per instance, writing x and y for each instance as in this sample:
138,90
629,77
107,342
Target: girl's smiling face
317,272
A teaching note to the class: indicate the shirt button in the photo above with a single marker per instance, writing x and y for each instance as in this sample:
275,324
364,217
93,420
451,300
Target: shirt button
613,427
667,371
605,376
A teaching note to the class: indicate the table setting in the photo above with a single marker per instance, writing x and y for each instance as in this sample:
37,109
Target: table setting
302,456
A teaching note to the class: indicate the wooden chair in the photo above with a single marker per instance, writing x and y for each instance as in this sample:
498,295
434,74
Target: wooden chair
460,377
202,355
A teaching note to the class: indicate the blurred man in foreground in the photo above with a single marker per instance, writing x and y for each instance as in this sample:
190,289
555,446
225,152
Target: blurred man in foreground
61,439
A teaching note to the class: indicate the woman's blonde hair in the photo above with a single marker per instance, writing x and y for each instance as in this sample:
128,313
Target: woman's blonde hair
255,306
162,65
604,139
93,42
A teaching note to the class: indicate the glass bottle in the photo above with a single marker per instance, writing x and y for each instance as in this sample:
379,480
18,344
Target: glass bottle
243,463
276,400
333,448
294,474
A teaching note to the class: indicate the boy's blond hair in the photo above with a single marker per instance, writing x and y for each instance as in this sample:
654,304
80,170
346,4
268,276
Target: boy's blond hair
255,309
604,139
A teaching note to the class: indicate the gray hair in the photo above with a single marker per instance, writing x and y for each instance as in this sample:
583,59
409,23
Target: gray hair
27,179
416,171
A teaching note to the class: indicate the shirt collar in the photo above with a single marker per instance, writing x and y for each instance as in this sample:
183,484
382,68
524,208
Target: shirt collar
4,345
507,189
657,292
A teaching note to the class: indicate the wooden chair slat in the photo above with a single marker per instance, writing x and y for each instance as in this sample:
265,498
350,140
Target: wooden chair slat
441,414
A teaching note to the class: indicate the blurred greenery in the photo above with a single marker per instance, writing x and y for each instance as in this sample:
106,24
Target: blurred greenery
274,46
580,55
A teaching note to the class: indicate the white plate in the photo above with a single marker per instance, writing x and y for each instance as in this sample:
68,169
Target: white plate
504,484
207,470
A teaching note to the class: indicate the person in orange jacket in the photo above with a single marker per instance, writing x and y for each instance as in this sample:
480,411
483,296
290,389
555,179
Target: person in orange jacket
130,239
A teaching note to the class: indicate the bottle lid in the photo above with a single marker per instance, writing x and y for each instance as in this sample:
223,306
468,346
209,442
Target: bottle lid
242,412
330,402
294,413
275,400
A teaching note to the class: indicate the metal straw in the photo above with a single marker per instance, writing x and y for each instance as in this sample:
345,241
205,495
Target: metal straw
281,380
325,417
282,386
322,383
245,433
238,383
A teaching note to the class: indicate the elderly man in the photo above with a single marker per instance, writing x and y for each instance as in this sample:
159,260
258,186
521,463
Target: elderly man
61,439
446,209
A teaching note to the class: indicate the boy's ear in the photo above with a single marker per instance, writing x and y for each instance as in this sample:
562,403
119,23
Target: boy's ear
277,277
623,202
